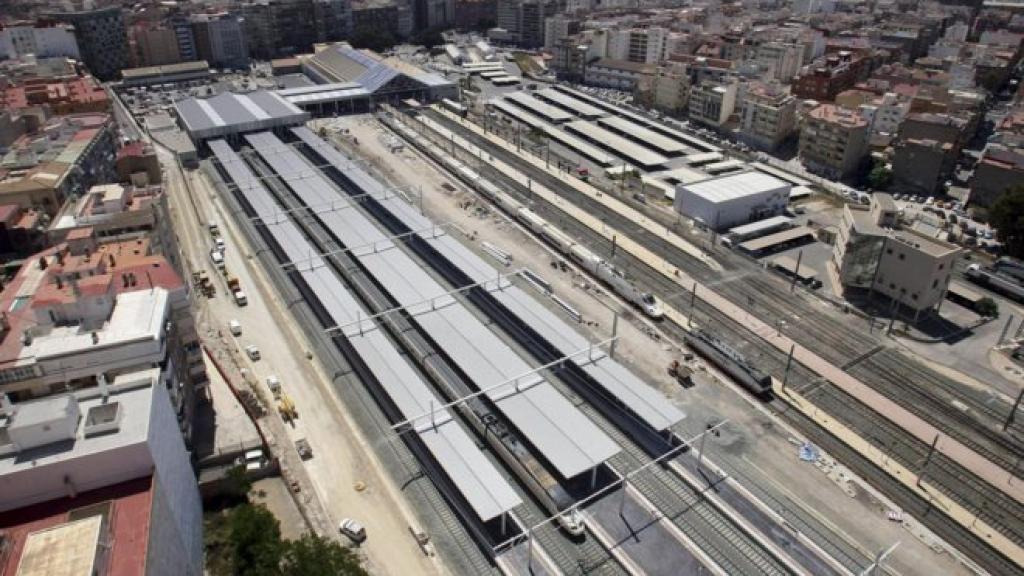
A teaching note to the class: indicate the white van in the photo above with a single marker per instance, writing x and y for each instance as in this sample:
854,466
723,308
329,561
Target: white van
217,258
235,327
240,298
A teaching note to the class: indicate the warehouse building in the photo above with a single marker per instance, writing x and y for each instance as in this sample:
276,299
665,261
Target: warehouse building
229,115
727,201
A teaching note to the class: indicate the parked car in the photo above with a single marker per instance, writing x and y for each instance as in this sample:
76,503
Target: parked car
354,530
253,352
235,327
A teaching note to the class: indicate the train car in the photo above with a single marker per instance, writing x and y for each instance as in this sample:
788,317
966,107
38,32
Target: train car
731,362
561,240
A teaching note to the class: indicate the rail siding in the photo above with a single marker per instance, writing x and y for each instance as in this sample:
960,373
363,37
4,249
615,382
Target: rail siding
995,475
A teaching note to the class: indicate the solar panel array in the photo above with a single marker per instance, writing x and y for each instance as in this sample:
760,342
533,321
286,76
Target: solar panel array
560,432
478,480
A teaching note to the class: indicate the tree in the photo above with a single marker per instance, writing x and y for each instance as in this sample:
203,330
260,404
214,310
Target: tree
256,546
376,40
879,176
987,307
315,556
1006,215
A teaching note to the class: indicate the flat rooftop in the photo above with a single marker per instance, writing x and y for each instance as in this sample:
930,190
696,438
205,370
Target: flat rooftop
634,153
734,186
545,111
659,142
574,105
578,145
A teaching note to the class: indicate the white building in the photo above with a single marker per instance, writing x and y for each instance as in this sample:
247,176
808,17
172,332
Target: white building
100,477
712,103
727,201
45,41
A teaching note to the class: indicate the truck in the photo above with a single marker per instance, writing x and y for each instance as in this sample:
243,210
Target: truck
995,281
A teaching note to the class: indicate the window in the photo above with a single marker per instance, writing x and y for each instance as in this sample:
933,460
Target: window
935,283
903,256
888,250
941,266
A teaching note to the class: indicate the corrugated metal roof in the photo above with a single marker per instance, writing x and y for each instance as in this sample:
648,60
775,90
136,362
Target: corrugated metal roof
545,111
578,107
480,482
634,153
576,144
559,431
228,112
662,144
650,405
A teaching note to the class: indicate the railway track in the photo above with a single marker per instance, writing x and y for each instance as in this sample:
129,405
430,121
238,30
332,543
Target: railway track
570,556
804,321
727,543
945,475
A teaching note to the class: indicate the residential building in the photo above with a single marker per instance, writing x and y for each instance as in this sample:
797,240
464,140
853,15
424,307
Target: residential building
470,14
525,20
116,211
433,14
873,256
921,166
823,79
22,232
56,97
221,40
939,127
184,37
276,28
376,17
63,157
833,141
102,40
728,201
767,115
712,103
670,88
617,74
333,20
98,480
557,28
641,45
154,45
782,60
137,163
1000,168
43,39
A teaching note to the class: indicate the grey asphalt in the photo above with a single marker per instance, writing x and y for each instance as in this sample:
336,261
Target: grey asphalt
641,537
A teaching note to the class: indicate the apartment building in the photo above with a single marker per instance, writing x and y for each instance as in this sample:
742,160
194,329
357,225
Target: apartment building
154,45
921,166
643,45
833,141
669,88
98,480
557,28
873,256
44,39
102,39
712,103
46,97
617,74
62,158
767,115
781,60
823,79
1001,167
221,40
276,28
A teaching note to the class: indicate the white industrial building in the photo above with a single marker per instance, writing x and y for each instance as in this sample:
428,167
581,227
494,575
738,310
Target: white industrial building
732,200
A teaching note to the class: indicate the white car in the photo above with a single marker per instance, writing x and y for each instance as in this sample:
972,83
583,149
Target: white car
236,327
354,530
253,352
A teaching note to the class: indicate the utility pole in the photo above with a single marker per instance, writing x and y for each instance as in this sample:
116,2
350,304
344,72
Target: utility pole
1013,411
789,363
693,300
927,460
615,240
615,331
1006,328
796,272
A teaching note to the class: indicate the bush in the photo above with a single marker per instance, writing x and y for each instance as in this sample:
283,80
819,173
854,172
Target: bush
987,307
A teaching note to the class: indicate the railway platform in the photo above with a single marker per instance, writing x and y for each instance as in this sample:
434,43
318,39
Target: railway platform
993,474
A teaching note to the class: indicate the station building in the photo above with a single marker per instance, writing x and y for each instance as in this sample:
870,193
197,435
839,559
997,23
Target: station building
734,199
873,256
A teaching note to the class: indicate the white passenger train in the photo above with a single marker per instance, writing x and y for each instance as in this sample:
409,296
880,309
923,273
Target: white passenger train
575,251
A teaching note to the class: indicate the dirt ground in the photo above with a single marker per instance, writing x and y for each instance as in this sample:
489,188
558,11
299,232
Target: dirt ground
755,443
342,457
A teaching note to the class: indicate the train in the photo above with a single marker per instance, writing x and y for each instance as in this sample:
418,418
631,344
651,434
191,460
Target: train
576,252
730,361
996,281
